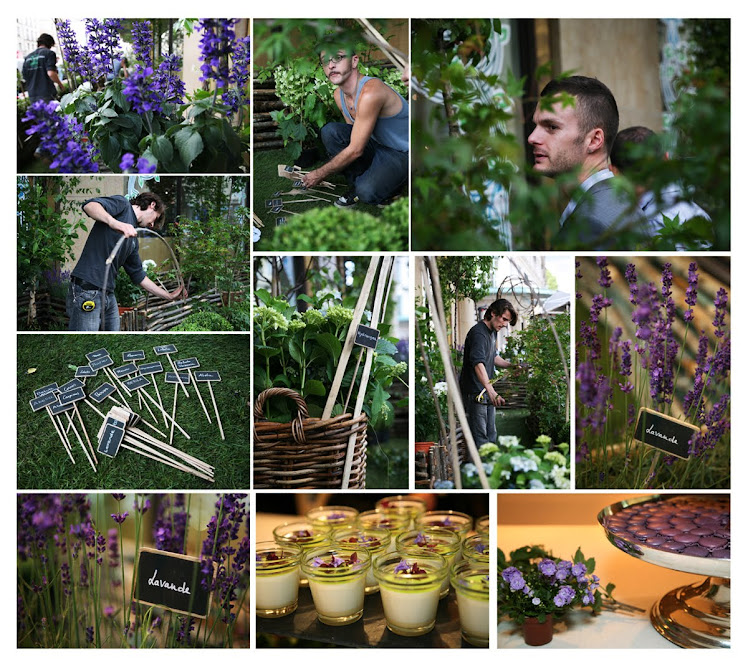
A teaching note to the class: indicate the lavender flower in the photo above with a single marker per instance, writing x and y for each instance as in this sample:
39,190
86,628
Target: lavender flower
604,280
170,526
691,291
76,57
720,310
139,91
119,518
168,81
103,46
236,96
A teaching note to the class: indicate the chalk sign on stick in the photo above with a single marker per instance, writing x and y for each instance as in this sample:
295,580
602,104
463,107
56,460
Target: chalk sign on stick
111,438
366,337
72,396
186,363
171,581
207,376
71,385
60,408
150,368
101,362
99,353
136,383
136,355
49,388
103,392
124,370
165,349
664,432
85,371
171,378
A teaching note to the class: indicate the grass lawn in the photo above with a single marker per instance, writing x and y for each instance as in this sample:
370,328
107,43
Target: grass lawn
267,183
42,461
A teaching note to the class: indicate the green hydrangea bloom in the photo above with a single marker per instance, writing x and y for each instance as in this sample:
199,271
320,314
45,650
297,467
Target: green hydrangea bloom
487,449
543,440
339,315
314,317
266,317
296,325
555,457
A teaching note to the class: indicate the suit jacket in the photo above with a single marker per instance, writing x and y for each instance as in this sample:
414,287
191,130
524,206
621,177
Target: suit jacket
600,217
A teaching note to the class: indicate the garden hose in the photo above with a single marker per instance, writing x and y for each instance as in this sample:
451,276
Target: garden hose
115,252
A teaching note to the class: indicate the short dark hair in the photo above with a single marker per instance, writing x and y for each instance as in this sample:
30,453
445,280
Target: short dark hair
499,307
623,157
45,40
145,199
596,106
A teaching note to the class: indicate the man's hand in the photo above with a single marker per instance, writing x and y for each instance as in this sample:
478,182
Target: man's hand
179,291
127,230
494,398
312,178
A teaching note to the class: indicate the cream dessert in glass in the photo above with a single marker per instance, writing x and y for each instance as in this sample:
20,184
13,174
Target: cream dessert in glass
470,581
475,549
333,517
337,578
456,521
483,525
412,506
410,587
277,578
375,542
394,523
436,541
304,534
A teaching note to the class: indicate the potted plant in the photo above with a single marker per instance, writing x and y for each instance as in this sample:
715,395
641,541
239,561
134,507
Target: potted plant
535,588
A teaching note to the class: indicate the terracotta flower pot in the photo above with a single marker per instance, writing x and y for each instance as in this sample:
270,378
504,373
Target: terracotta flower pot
424,447
538,633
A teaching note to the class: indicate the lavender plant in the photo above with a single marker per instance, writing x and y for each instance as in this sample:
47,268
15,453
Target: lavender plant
74,584
148,113
654,341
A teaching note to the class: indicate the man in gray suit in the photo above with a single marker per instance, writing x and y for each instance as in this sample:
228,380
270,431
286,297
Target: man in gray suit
574,130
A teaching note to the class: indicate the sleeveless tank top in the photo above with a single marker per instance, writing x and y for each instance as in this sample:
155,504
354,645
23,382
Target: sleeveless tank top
390,131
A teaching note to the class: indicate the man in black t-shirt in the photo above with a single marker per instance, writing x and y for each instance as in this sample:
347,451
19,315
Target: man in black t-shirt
114,217
40,70
478,364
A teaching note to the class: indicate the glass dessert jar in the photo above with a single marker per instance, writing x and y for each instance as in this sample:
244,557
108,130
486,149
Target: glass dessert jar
456,521
304,534
410,587
337,578
475,549
375,542
470,581
436,541
483,525
412,506
277,578
394,523
332,516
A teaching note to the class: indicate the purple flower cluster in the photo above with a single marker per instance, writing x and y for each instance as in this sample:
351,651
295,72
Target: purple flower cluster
103,45
139,91
61,138
142,41
167,79
224,564
234,98
170,526
76,57
216,45
143,166
692,291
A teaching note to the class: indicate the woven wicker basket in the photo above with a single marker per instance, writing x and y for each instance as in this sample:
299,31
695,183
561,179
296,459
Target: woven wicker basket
307,452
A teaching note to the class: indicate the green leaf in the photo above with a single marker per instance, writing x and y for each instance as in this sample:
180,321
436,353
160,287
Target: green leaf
294,348
314,387
162,149
330,343
189,144
266,352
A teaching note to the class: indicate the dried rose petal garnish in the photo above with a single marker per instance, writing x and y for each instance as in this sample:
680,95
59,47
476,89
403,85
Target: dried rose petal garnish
412,569
298,535
335,561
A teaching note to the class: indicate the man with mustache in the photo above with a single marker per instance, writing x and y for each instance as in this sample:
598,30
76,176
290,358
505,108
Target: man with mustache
371,146
574,132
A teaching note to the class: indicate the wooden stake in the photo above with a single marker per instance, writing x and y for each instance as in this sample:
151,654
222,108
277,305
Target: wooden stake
197,390
85,432
115,381
350,338
83,446
60,432
176,372
218,416
153,400
173,414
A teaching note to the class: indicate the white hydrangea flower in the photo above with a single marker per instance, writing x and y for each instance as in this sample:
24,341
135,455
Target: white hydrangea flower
508,441
536,484
522,464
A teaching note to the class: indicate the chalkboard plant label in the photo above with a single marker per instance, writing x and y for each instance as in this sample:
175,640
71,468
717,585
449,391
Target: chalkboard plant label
665,433
59,409
72,396
71,385
172,581
367,337
165,349
150,368
99,353
207,376
103,392
124,370
136,383
135,355
85,371
42,401
49,388
280,221
185,363
111,438
171,378
101,362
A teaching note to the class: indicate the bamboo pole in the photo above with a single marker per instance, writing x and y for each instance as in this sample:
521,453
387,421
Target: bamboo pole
218,416
60,431
199,395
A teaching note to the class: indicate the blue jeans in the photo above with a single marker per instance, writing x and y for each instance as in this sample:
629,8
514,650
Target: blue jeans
80,320
482,420
375,176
